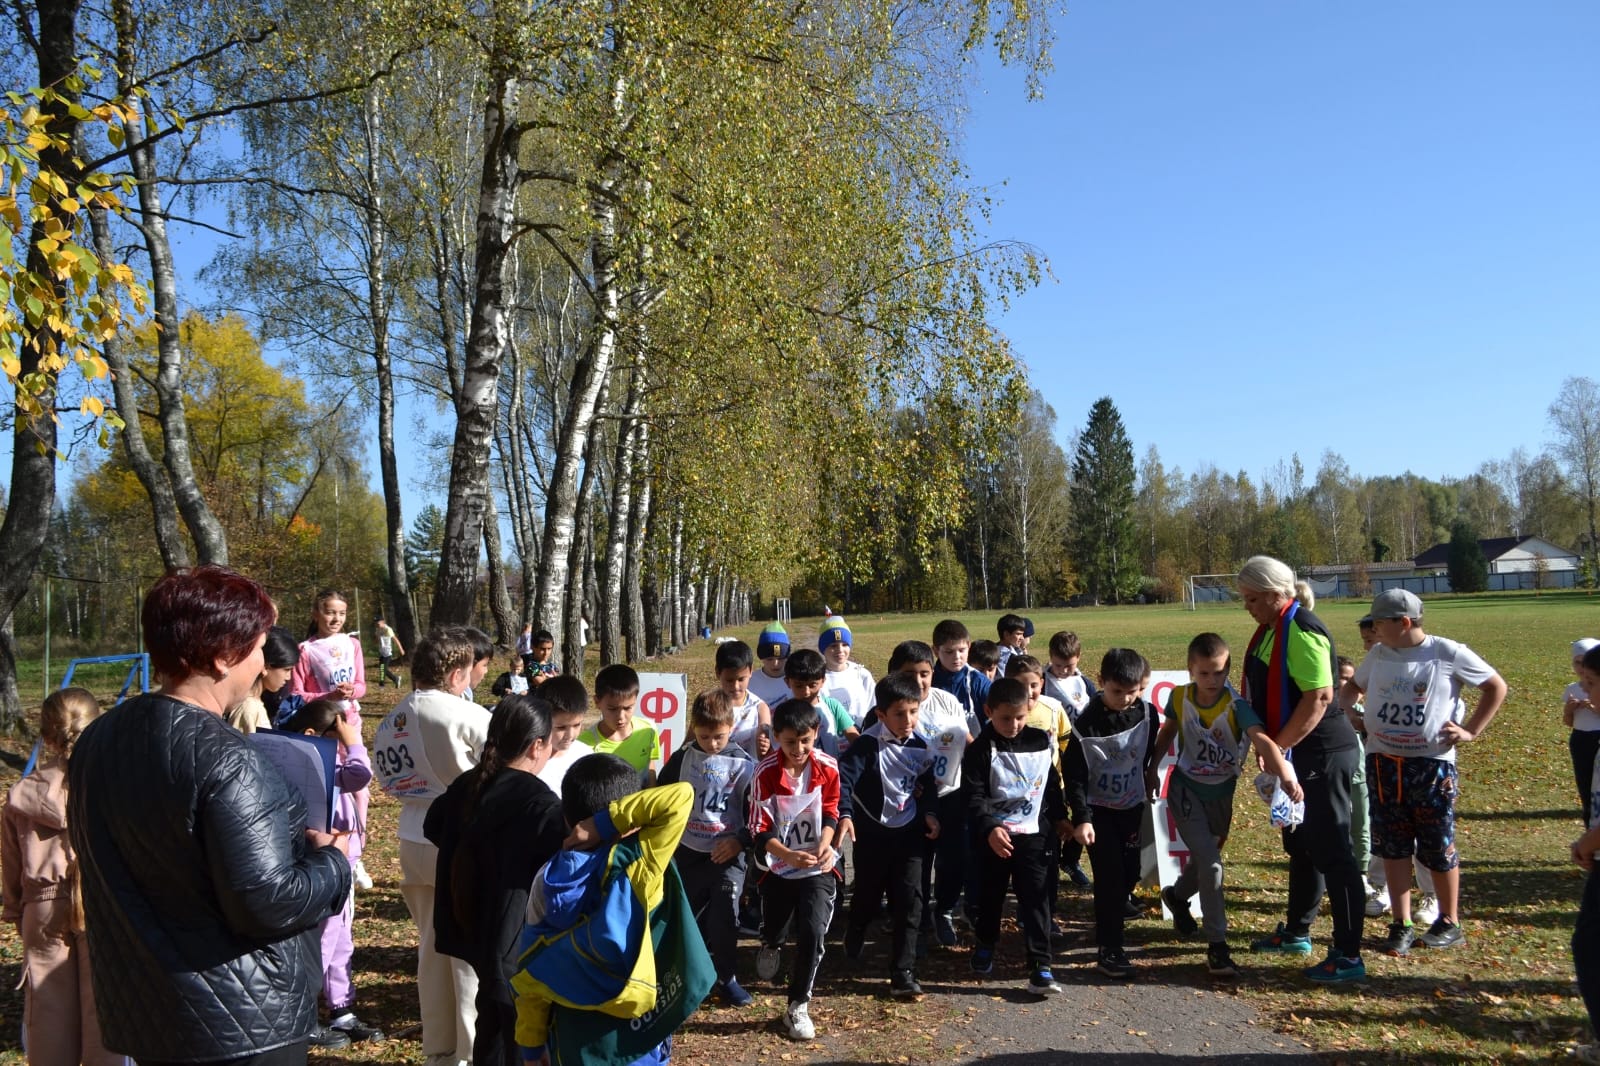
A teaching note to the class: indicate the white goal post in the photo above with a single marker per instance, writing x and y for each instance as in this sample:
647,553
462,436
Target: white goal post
784,616
1210,588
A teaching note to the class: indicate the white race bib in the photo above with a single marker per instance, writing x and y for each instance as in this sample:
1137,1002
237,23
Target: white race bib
718,781
1116,766
1016,787
399,760
899,766
797,823
1208,755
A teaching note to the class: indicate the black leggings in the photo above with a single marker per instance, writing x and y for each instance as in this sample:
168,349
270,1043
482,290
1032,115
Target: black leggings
1583,743
1320,856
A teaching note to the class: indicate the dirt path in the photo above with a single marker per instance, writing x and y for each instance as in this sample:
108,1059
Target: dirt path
1139,1023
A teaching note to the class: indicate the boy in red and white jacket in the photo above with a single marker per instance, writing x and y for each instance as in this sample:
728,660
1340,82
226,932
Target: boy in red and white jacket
794,816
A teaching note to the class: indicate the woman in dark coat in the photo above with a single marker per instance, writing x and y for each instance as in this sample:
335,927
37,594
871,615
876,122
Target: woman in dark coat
202,887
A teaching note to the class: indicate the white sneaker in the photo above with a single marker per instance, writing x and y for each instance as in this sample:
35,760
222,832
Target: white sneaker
1426,911
767,960
1377,902
362,879
798,1021
1587,1053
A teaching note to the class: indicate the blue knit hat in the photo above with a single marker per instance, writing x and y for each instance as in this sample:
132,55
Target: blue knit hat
834,629
773,643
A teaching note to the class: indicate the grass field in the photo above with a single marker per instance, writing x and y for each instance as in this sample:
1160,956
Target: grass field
1506,995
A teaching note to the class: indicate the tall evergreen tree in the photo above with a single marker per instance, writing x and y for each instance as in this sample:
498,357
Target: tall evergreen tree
1104,546
1468,570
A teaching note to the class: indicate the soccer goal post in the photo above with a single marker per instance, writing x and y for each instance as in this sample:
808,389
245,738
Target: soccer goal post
1210,588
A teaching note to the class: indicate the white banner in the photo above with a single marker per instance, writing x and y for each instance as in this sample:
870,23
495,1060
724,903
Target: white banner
1165,854
664,702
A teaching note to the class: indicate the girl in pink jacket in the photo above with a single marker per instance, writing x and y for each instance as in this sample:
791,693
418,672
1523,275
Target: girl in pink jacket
331,665
40,874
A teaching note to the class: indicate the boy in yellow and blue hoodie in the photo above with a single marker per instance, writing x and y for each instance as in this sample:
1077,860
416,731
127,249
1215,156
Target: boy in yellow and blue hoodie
609,934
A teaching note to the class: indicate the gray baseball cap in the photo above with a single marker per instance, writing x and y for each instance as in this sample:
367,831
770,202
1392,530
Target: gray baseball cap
1396,603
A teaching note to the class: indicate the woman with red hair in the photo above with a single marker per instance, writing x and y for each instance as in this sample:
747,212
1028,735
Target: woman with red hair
202,886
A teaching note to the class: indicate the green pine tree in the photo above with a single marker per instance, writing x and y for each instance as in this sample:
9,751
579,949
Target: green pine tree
1468,570
1104,547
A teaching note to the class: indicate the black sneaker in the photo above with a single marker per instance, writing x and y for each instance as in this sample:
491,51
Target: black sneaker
1132,908
327,1038
1443,933
854,941
1113,963
357,1030
903,985
1182,920
1219,963
1401,936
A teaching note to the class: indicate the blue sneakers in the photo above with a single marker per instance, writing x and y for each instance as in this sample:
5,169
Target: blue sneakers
1280,942
1336,969
983,960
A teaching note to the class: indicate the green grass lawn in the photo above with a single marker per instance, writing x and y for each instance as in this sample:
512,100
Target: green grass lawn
1507,995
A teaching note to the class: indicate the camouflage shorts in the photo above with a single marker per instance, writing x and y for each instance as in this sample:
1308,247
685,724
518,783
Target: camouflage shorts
1413,805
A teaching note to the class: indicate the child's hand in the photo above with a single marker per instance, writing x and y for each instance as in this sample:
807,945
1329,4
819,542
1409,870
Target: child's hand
584,836
1583,858
933,826
1152,783
345,690
763,744
1084,834
803,860
847,829
1454,733
826,857
1000,841
348,732
725,850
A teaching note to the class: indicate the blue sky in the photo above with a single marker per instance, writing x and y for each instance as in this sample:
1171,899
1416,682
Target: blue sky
1282,227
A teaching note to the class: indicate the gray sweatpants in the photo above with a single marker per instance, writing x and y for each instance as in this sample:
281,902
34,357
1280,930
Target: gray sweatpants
1204,825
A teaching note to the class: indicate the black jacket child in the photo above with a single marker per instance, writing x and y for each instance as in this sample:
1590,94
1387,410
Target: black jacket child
1098,721
985,806
862,788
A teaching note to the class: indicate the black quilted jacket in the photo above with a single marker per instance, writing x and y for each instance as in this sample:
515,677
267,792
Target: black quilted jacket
201,895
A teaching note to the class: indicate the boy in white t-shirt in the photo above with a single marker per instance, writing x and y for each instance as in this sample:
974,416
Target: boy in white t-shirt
569,702
752,715
1413,719
772,650
848,682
